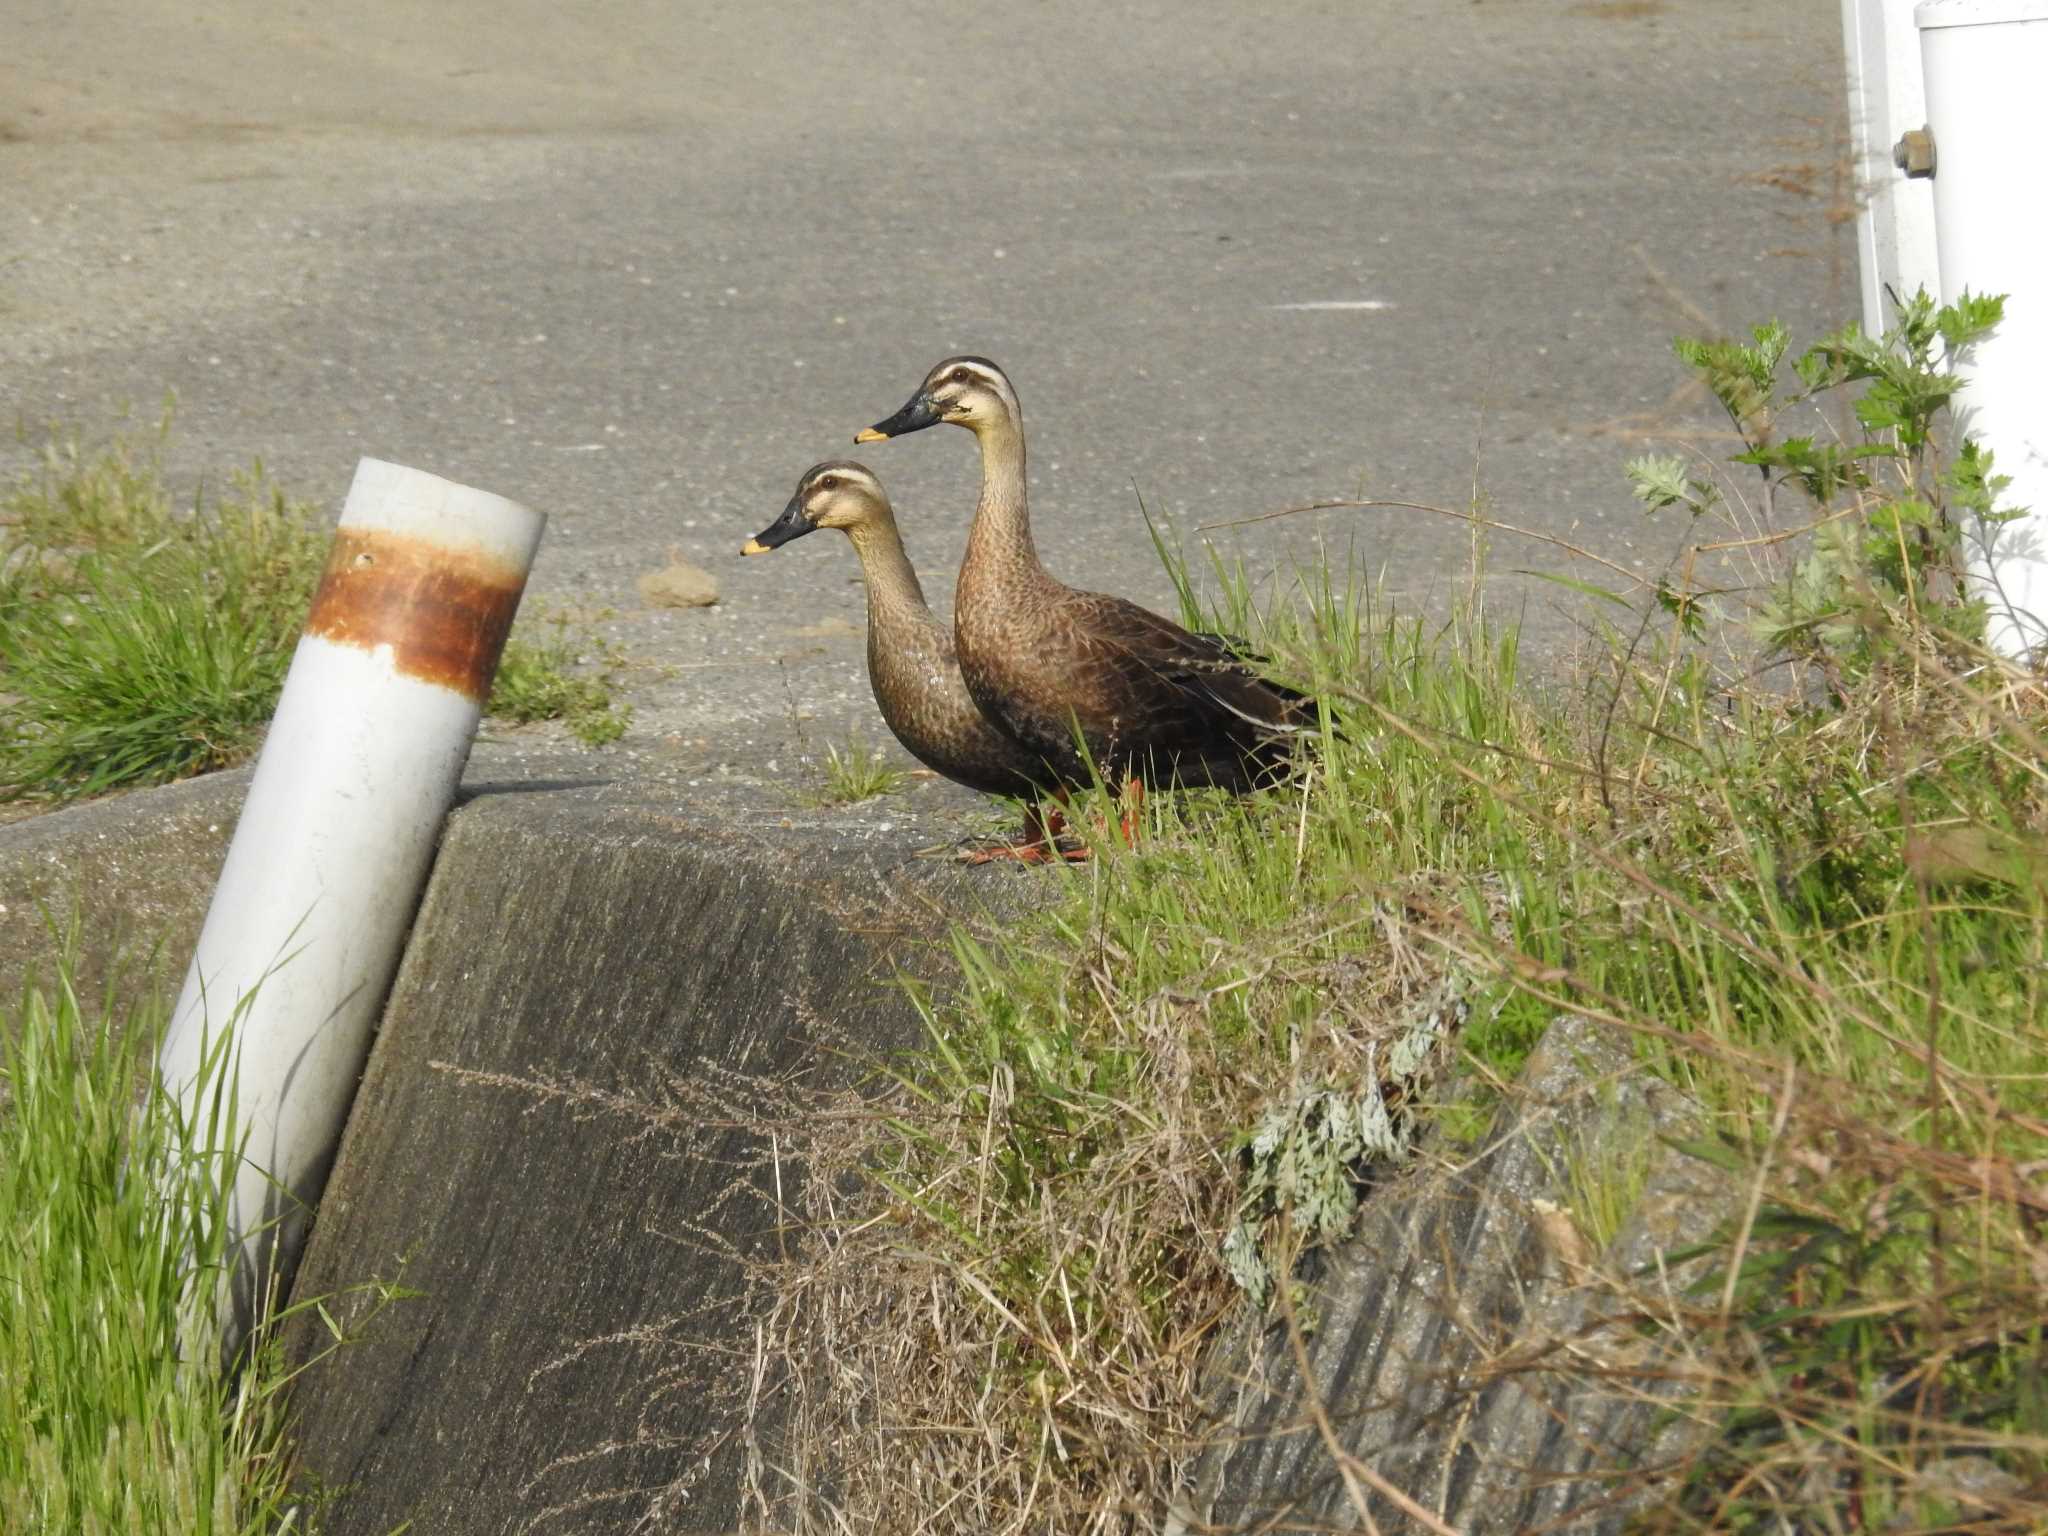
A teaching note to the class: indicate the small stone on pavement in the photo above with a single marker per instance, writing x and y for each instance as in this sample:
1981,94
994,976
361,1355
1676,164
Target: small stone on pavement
679,584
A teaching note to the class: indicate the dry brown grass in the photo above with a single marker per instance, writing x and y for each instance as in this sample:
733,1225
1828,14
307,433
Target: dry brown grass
946,1351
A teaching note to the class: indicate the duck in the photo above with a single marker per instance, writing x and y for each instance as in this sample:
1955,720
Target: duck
1078,677
913,666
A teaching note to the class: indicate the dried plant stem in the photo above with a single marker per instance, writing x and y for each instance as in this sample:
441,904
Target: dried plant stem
1635,580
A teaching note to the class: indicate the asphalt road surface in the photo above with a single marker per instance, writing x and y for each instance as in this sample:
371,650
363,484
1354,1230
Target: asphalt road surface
640,264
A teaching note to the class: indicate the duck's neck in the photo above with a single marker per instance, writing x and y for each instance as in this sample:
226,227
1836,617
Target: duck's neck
1001,534
892,583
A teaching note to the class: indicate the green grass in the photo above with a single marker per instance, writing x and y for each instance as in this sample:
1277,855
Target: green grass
142,641
856,772
1818,909
100,1429
1603,1171
115,1416
139,642
550,671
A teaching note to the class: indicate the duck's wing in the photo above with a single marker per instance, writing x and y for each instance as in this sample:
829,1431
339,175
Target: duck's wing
1179,686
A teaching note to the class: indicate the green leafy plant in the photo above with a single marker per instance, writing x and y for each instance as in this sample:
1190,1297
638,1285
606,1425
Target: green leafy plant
1891,508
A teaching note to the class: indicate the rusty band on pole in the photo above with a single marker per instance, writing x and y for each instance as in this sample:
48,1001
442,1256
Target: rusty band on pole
443,612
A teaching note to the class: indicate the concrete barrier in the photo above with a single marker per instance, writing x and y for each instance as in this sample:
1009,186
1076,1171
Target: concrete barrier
569,952
575,1359
133,872
1459,1353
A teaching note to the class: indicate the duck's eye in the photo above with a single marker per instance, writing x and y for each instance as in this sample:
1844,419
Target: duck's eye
829,483
960,375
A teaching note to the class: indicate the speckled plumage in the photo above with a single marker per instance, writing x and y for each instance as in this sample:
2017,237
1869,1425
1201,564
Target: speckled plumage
913,666
1048,662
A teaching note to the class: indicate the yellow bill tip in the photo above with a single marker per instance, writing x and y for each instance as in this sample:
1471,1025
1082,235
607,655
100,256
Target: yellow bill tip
870,435
755,547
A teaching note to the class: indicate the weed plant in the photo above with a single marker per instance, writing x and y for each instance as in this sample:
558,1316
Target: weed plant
551,671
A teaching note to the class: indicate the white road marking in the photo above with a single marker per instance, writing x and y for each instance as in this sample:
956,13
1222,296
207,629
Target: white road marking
1338,304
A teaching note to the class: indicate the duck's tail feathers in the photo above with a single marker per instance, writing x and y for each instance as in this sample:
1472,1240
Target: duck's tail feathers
1274,708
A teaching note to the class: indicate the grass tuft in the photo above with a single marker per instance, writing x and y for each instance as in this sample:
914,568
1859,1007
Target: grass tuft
548,673
856,772
142,642
114,1412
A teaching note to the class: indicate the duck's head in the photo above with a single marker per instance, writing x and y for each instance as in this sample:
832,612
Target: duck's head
836,494
971,392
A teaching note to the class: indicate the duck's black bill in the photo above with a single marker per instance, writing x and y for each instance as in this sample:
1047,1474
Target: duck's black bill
921,412
791,525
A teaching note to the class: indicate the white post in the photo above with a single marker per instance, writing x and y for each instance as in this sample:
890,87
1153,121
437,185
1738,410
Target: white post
1986,67
332,850
1895,214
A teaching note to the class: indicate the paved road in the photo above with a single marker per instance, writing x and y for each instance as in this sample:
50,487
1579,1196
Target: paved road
641,270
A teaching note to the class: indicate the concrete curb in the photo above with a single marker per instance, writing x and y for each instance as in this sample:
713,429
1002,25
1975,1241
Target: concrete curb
134,872
572,956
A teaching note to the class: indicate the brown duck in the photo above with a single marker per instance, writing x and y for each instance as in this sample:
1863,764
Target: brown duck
1150,701
912,666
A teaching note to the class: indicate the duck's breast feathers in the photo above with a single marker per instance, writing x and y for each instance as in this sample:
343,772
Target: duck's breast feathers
925,703
911,662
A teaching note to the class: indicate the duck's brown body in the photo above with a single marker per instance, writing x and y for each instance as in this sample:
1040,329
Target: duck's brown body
1061,669
913,666
914,669
1075,676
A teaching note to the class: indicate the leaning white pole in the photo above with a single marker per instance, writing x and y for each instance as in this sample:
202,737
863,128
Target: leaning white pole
332,851
1985,64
